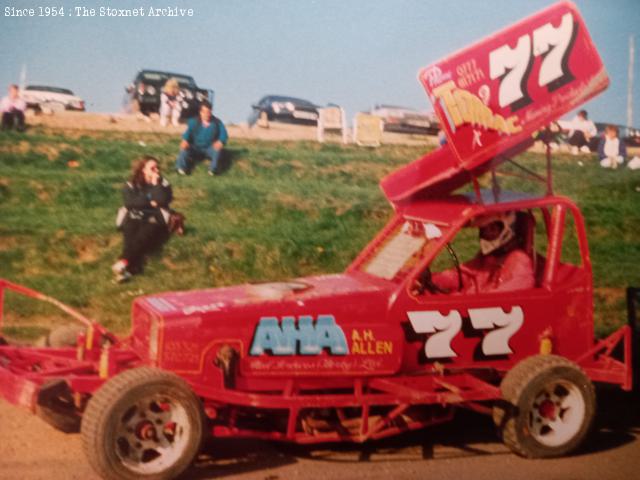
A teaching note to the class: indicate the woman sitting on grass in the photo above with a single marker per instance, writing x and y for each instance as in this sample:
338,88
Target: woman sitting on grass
146,198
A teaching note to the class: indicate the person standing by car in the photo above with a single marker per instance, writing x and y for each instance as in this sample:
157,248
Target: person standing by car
170,103
146,214
205,137
13,107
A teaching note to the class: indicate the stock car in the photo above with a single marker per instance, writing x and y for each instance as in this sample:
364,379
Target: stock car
44,97
279,108
144,92
367,354
406,120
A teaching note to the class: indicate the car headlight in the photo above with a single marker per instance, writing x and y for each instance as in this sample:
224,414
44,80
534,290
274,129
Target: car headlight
151,90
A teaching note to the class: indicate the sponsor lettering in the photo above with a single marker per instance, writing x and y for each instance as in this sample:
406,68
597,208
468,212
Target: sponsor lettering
302,337
463,107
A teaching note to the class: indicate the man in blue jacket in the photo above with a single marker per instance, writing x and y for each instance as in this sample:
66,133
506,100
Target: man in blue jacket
205,137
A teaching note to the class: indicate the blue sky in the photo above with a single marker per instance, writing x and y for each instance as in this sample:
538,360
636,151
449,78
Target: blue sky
351,52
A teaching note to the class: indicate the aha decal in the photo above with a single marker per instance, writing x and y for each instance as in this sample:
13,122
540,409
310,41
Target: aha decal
304,339
445,327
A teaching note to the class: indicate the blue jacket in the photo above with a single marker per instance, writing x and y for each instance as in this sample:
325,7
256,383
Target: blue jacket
202,138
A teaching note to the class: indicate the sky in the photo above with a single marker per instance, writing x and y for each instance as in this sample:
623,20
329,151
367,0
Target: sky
355,53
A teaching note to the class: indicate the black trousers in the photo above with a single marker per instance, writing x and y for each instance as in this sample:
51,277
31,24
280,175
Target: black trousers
141,238
13,119
578,139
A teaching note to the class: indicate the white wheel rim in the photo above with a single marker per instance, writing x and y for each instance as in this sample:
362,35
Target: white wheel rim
557,413
152,434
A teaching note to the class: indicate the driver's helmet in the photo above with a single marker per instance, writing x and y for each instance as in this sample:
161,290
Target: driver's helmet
496,230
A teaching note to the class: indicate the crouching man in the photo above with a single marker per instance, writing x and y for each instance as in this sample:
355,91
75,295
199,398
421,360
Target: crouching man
205,137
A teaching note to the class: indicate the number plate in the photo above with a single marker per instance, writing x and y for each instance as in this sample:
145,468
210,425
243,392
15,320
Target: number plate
495,94
305,115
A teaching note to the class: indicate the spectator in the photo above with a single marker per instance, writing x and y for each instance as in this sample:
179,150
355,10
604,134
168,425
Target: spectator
611,150
205,137
13,107
170,103
501,265
146,214
582,133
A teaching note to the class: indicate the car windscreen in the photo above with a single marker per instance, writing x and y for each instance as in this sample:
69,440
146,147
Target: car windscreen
298,102
160,77
49,89
398,253
185,81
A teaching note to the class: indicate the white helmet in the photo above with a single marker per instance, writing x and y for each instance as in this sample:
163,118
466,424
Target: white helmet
507,222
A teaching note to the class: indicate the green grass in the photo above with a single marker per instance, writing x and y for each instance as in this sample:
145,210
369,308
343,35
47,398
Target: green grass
282,210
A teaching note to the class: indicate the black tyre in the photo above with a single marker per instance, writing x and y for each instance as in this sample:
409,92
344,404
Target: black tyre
548,408
56,407
144,423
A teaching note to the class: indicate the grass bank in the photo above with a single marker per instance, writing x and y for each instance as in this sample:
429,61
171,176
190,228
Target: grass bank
281,210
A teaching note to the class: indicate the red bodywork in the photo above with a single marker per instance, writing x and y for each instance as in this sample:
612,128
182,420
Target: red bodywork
265,357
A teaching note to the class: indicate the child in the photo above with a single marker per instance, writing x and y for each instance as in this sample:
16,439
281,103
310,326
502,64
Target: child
612,151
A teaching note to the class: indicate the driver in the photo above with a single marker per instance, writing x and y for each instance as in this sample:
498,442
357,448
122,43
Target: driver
500,265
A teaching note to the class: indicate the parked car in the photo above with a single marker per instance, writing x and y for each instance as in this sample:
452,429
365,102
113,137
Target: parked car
278,108
406,120
41,97
144,92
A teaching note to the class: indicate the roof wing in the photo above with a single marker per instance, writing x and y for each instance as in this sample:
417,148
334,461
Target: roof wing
492,96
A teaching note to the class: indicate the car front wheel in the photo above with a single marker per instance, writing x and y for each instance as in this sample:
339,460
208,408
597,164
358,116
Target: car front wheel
144,423
548,407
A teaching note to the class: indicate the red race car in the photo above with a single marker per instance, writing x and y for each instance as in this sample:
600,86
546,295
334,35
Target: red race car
419,325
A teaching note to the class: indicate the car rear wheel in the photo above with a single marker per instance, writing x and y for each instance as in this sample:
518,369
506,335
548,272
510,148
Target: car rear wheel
144,423
548,408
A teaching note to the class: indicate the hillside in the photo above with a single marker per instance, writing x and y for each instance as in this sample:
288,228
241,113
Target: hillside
280,210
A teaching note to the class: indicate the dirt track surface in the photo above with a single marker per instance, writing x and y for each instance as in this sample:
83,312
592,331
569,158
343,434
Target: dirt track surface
463,449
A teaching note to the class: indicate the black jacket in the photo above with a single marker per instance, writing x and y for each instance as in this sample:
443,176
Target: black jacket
137,200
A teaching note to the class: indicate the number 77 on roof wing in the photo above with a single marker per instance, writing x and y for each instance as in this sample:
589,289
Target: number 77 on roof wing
495,94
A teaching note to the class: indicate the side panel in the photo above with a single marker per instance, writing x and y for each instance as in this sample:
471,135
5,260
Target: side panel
343,336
